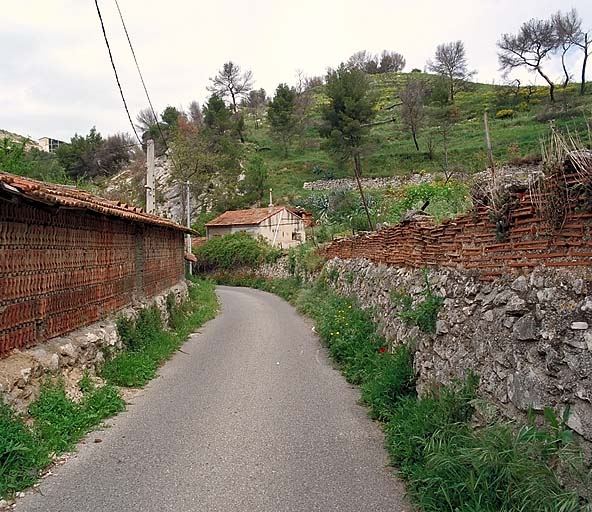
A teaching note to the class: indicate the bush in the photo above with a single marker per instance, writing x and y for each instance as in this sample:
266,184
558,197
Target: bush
505,113
238,250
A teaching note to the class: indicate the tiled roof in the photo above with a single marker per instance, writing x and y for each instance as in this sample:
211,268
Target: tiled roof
245,217
70,197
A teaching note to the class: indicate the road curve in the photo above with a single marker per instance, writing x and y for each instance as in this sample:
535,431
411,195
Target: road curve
249,417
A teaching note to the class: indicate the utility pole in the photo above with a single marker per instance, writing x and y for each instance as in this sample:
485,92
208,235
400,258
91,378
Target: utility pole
188,235
150,176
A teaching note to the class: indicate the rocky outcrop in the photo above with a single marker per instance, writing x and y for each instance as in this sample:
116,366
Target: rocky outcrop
528,336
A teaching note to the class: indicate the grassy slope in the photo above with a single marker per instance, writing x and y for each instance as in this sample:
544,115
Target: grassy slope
392,151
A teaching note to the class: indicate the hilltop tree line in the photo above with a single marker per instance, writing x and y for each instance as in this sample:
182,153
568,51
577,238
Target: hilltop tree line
212,149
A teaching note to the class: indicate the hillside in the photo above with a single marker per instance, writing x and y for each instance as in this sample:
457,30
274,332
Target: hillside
392,151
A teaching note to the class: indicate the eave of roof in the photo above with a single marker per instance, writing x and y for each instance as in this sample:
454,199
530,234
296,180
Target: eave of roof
250,217
70,197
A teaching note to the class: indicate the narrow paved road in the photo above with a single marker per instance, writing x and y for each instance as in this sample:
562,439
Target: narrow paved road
250,417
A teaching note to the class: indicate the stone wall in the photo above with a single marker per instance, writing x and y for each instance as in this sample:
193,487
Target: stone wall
23,371
528,336
368,183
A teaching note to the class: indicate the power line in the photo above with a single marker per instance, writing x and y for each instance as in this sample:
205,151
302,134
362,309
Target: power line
141,76
115,71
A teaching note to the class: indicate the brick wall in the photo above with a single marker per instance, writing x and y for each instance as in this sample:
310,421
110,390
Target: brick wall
471,241
64,269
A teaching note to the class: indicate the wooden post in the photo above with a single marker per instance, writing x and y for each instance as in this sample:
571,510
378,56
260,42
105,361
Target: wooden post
488,144
150,192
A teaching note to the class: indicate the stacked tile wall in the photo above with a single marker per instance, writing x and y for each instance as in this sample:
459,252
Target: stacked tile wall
472,242
61,270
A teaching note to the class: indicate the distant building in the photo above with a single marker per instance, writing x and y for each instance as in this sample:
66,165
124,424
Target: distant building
49,145
279,225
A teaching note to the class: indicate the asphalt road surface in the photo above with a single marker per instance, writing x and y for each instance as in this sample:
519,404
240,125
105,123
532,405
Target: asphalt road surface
250,416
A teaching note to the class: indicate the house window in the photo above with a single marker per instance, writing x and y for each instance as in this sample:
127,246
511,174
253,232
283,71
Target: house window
296,235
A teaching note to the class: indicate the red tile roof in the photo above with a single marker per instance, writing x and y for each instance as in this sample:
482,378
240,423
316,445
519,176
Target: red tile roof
245,217
71,197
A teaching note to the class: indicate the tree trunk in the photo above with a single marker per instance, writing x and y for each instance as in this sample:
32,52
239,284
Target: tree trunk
415,140
583,84
358,172
566,81
551,85
452,90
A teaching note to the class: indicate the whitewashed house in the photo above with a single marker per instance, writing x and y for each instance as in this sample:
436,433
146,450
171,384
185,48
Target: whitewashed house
279,225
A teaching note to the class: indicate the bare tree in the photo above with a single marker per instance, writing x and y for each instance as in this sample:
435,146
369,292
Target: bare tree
535,41
391,62
145,119
360,60
450,61
569,32
196,115
313,81
412,100
231,81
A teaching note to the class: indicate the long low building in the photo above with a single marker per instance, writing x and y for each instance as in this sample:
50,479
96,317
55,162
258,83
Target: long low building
68,258
279,225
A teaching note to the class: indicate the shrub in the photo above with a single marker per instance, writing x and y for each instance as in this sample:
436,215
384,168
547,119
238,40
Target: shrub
505,113
238,250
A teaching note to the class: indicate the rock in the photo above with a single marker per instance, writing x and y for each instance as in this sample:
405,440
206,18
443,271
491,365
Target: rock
546,295
576,343
441,327
488,316
526,328
68,350
577,286
579,326
516,306
587,304
588,340
525,390
520,284
503,297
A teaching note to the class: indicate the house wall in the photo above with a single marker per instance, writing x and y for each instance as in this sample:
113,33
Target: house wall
284,223
65,269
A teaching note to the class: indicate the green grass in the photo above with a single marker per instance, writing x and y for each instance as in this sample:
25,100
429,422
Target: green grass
147,343
57,424
391,150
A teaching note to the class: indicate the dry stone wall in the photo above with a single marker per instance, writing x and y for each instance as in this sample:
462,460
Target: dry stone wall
528,336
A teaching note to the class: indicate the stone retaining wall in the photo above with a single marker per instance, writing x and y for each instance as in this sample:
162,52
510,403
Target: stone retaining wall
528,336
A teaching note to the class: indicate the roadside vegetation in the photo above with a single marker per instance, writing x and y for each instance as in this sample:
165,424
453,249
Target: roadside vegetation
56,421
453,451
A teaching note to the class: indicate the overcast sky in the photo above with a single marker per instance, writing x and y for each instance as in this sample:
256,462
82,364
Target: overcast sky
56,79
